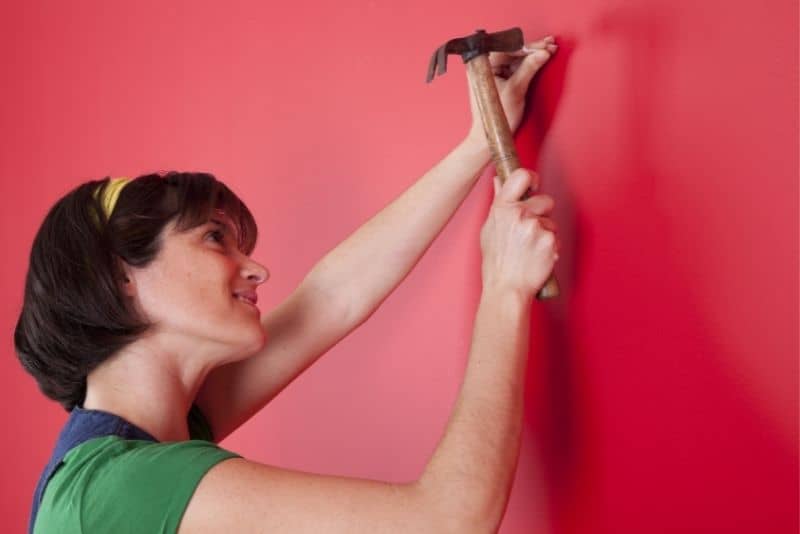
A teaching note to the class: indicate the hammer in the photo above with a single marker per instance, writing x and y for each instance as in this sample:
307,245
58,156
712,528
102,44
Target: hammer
474,50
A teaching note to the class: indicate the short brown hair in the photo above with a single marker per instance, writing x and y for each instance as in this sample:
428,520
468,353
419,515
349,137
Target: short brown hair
74,314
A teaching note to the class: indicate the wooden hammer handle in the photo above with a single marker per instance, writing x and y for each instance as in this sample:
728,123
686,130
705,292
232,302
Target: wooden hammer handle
498,133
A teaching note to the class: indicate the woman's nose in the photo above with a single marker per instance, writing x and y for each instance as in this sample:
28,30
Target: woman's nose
255,271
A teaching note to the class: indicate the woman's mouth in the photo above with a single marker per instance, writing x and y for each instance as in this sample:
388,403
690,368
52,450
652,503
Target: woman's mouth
246,301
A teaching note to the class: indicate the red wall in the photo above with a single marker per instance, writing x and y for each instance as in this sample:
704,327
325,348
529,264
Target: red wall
662,390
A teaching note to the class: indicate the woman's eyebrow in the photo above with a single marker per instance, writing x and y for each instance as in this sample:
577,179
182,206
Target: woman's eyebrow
220,223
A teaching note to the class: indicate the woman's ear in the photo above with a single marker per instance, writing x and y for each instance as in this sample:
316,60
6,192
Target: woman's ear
128,282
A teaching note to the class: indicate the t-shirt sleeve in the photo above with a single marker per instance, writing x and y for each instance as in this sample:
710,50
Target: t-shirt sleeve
147,489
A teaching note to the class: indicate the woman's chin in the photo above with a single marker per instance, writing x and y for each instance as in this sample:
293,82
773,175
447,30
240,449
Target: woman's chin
258,340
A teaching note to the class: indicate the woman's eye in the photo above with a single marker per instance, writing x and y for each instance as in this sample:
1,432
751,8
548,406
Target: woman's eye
217,236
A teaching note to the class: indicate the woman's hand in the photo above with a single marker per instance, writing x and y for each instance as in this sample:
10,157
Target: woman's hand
513,73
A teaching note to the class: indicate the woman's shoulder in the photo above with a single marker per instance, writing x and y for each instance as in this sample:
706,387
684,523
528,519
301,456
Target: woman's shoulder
152,479
99,454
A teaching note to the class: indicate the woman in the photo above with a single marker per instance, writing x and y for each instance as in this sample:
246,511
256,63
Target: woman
138,295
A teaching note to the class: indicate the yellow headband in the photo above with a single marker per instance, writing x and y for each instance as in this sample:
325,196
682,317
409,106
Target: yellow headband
111,194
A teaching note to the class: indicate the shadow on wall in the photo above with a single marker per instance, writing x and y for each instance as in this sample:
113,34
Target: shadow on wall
552,406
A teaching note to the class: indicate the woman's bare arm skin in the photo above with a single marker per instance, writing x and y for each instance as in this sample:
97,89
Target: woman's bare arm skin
463,489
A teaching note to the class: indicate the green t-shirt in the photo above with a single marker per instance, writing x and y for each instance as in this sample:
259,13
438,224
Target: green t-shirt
118,485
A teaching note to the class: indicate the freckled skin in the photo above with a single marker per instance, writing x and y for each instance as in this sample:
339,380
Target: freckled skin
188,289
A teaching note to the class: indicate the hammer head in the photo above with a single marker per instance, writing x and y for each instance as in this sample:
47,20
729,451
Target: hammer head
474,45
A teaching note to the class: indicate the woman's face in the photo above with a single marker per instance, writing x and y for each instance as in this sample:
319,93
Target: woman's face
188,291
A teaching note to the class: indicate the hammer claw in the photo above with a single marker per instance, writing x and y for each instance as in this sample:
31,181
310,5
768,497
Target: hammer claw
474,45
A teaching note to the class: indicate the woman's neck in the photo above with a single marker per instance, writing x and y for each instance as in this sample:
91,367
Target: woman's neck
151,391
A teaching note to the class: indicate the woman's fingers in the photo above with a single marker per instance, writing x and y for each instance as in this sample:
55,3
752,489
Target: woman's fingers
548,224
541,204
546,43
501,58
505,64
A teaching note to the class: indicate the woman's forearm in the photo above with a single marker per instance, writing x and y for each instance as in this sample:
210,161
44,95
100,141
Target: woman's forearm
366,267
472,469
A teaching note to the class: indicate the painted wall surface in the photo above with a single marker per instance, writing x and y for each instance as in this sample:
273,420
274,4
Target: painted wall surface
662,385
